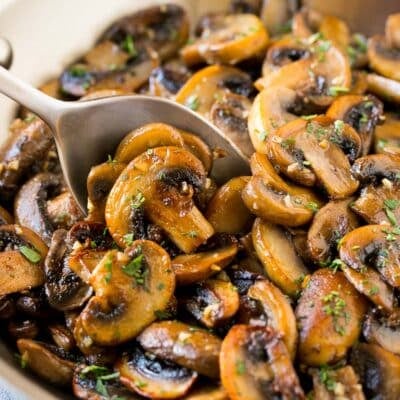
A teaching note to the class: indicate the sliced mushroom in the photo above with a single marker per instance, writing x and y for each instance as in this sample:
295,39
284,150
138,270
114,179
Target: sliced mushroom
327,148
387,89
126,286
5,217
361,112
33,303
64,289
106,55
359,83
23,329
375,246
28,142
47,361
21,259
276,252
31,204
378,370
192,268
275,15
212,302
268,196
230,39
305,22
256,365
62,337
332,384
153,377
189,347
199,148
161,183
329,315
336,30
387,135
329,225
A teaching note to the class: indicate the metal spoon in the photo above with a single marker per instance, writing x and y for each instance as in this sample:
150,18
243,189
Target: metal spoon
86,132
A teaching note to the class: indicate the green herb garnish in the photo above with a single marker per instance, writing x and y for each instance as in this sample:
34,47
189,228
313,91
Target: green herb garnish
30,254
129,46
193,102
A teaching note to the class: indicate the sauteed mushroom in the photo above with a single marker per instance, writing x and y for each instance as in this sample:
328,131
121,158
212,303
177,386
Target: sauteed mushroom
22,256
62,337
387,89
5,217
23,329
387,135
190,347
329,315
255,365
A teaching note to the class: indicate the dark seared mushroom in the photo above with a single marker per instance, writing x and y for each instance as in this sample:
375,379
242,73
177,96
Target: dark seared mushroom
28,142
23,329
64,289
329,225
378,370
212,302
31,204
255,364
21,259
161,183
189,347
276,252
33,303
329,315
363,113
7,307
127,285
91,235
152,377
5,217
62,336
49,362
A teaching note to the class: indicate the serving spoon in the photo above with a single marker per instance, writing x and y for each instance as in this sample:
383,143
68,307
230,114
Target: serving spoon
85,132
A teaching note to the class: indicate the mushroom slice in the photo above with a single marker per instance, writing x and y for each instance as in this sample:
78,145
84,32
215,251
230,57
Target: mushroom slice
336,30
379,204
387,89
230,39
199,148
106,55
268,196
62,336
332,384
278,311
361,112
153,377
329,225
378,370
189,347
21,259
96,382
326,146
329,316
64,289
49,362
126,286
161,183
276,252
387,135
373,246
31,204
275,15
212,302
28,142
147,137
23,329
5,217
226,211
256,365
192,268
100,181
89,235
359,83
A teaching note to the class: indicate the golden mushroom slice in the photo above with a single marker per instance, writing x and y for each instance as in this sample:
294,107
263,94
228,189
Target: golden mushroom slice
130,288
47,361
378,370
199,148
161,184
276,252
153,377
329,315
385,88
363,113
322,145
387,135
256,365
384,51
192,268
278,310
188,346
329,225
21,259
268,196
212,302
226,211
232,38
336,30
375,246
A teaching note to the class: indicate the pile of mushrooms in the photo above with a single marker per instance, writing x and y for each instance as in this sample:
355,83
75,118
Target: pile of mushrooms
279,285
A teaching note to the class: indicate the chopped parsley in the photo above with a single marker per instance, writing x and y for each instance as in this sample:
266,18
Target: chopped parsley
162,314
108,267
311,205
129,46
338,126
391,216
262,135
193,102
128,239
288,143
110,160
336,264
373,291
240,367
335,307
326,378
336,90
136,269
308,117
138,200
78,71
30,254
101,374
191,234
392,204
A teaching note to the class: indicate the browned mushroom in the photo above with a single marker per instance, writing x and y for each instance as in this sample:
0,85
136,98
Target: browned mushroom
23,329
62,336
255,365
387,135
199,148
329,315
385,88
188,346
5,217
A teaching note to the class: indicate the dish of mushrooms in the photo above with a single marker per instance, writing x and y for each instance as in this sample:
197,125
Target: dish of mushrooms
279,285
